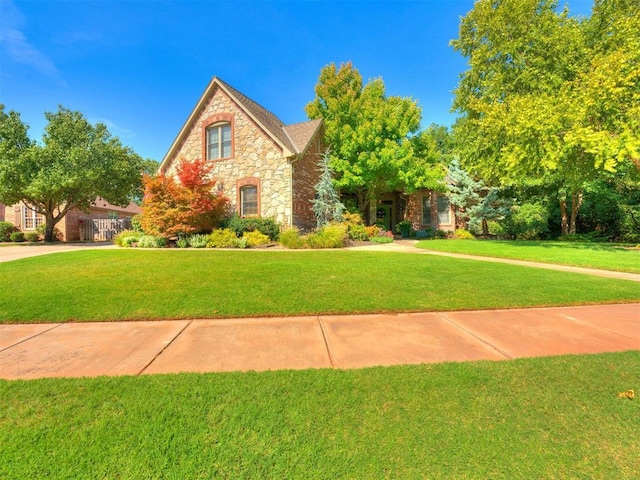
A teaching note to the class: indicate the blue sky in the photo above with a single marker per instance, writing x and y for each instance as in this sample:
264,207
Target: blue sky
141,66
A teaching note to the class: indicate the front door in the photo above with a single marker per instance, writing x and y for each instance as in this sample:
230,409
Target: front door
383,216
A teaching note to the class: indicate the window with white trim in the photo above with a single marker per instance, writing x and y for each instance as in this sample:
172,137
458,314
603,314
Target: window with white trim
219,141
30,218
249,201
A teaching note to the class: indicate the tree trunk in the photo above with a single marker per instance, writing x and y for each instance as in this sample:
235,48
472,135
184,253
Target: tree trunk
485,227
563,216
576,203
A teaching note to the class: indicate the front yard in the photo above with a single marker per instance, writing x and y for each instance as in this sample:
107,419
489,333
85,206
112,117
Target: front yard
105,285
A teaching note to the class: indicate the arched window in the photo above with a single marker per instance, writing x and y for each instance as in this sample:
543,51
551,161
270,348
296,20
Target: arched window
249,201
218,141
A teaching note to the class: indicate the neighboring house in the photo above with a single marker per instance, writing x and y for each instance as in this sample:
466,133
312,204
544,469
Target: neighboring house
75,225
264,167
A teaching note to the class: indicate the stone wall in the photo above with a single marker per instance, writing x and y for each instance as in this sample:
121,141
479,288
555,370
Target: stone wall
254,155
306,176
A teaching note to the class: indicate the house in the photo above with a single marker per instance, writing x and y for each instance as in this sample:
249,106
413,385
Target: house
76,224
264,167
270,169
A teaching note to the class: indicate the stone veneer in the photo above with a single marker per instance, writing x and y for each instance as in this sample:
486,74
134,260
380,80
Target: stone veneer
254,156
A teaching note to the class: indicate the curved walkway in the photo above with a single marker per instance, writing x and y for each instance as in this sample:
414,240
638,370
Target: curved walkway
408,246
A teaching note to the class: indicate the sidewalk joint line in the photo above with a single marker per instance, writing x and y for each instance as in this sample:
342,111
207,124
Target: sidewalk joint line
477,337
326,342
164,348
32,336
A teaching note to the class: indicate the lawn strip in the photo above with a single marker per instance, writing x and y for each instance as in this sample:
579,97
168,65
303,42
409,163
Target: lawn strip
614,257
556,417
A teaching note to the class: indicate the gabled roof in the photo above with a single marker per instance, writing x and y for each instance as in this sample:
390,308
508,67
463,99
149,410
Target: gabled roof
293,139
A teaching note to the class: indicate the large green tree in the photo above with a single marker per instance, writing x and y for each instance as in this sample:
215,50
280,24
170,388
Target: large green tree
75,163
549,98
371,135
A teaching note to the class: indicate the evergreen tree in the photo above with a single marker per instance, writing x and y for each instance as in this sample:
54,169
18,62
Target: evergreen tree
326,206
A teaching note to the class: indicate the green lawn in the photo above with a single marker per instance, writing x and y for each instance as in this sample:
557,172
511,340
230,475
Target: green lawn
590,255
555,417
97,285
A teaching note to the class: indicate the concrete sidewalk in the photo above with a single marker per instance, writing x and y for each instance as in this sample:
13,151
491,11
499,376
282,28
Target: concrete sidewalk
332,341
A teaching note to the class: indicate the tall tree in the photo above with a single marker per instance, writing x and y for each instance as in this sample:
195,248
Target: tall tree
549,96
368,132
75,163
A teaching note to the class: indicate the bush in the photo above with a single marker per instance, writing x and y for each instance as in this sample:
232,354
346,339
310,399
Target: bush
290,238
198,240
329,236
267,226
182,242
17,237
357,232
136,223
32,237
130,241
372,231
256,238
529,221
222,238
463,234
6,229
150,241
119,238
404,228
426,234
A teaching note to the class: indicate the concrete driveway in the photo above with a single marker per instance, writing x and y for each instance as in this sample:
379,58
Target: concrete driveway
16,252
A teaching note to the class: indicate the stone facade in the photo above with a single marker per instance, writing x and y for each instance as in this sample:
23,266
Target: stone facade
283,173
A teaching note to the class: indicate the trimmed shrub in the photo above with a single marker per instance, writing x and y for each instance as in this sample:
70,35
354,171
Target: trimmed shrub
222,238
130,241
6,229
267,226
32,237
182,242
372,231
256,238
290,238
150,241
198,240
329,236
357,232
17,237
441,234
426,234
119,238
463,234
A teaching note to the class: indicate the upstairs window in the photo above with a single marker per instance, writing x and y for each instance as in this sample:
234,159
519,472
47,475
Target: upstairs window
219,141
